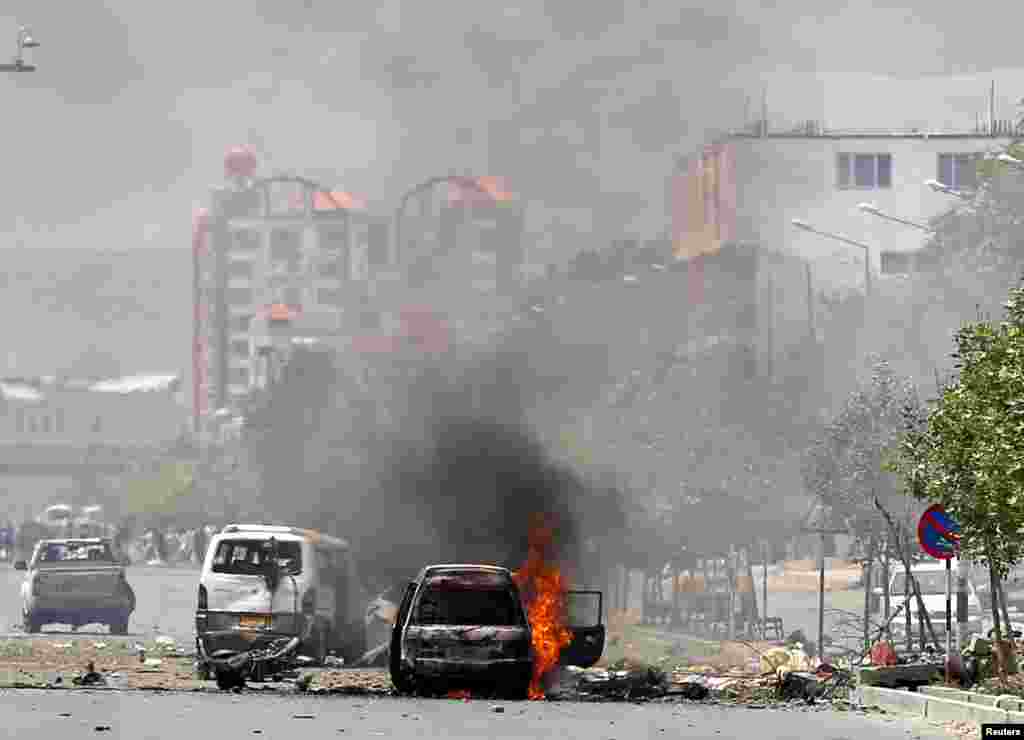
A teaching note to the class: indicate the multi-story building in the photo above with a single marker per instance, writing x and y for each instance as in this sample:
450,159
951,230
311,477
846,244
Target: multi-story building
59,438
284,259
275,259
821,177
818,202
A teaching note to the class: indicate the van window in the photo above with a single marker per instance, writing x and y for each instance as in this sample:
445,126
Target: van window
249,557
440,605
931,583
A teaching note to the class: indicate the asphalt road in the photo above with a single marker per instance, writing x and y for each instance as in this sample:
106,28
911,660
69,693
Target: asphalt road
165,603
54,714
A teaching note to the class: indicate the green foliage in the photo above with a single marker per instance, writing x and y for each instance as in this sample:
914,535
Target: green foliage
164,492
849,462
967,452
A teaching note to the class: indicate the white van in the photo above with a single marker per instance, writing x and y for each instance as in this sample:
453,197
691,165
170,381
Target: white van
270,593
931,580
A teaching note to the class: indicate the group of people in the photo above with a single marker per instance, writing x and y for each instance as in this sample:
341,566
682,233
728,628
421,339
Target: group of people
175,545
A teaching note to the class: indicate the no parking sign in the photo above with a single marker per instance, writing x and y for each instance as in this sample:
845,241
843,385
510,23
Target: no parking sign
938,534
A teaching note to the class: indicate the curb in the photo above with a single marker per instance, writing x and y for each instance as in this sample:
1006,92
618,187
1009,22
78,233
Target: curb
937,705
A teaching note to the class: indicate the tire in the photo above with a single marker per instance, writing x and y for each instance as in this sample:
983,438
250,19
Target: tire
516,690
228,680
120,627
32,625
317,647
403,683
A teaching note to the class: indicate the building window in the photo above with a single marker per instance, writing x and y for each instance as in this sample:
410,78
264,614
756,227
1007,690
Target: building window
330,268
240,269
241,323
958,171
240,347
329,296
864,171
44,424
285,245
245,240
240,296
333,238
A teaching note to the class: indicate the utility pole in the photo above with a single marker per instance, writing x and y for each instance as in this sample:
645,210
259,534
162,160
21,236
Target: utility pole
822,530
24,41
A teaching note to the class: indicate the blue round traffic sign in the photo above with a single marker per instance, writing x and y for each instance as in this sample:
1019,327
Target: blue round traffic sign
938,534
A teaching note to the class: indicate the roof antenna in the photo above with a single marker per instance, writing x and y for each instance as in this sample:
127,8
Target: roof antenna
992,109
764,112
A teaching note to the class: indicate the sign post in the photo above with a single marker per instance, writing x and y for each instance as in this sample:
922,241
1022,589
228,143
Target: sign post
939,536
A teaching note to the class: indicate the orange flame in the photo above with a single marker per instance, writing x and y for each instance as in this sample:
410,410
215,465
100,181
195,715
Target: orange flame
544,591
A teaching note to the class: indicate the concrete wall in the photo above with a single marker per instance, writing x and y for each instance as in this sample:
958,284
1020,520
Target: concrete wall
77,418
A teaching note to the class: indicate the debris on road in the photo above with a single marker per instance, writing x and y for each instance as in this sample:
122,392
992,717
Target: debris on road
90,677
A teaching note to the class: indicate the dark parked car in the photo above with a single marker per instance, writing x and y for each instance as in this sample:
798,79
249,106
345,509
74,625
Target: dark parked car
468,624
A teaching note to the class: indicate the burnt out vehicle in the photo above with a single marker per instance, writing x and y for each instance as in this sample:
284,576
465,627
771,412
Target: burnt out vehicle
467,624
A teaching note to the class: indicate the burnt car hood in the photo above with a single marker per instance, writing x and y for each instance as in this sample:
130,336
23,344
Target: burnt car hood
447,635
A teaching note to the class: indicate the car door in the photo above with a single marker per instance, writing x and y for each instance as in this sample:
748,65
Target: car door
395,650
584,610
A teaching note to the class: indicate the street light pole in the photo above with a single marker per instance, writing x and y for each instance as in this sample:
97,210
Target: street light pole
24,41
876,211
838,237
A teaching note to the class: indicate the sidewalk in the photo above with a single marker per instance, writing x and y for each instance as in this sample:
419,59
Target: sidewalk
941,704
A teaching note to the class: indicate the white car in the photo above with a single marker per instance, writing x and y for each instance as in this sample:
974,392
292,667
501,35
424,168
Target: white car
270,593
931,580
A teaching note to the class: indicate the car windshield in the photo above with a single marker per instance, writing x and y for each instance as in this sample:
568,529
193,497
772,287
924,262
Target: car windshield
250,557
440,605
62,552
931,583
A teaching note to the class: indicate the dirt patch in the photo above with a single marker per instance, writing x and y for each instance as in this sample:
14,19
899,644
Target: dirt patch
353,680
807,581
49,662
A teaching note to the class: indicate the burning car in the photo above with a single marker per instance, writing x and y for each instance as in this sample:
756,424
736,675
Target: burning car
470,624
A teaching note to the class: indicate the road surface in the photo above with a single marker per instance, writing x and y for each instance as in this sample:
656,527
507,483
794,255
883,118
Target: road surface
55,714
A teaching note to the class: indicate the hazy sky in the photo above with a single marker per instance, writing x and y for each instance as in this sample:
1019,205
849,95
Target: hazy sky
117,135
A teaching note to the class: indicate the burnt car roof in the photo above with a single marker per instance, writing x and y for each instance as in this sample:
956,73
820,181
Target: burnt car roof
463,568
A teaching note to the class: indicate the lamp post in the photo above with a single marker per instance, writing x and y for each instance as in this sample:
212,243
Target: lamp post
874,210
939,187
25,41
804,226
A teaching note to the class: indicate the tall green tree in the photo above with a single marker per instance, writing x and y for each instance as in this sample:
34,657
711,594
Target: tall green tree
968,452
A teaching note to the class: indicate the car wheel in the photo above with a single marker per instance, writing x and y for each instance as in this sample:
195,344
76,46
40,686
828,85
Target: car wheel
32,625
317,647
228,680
403,683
